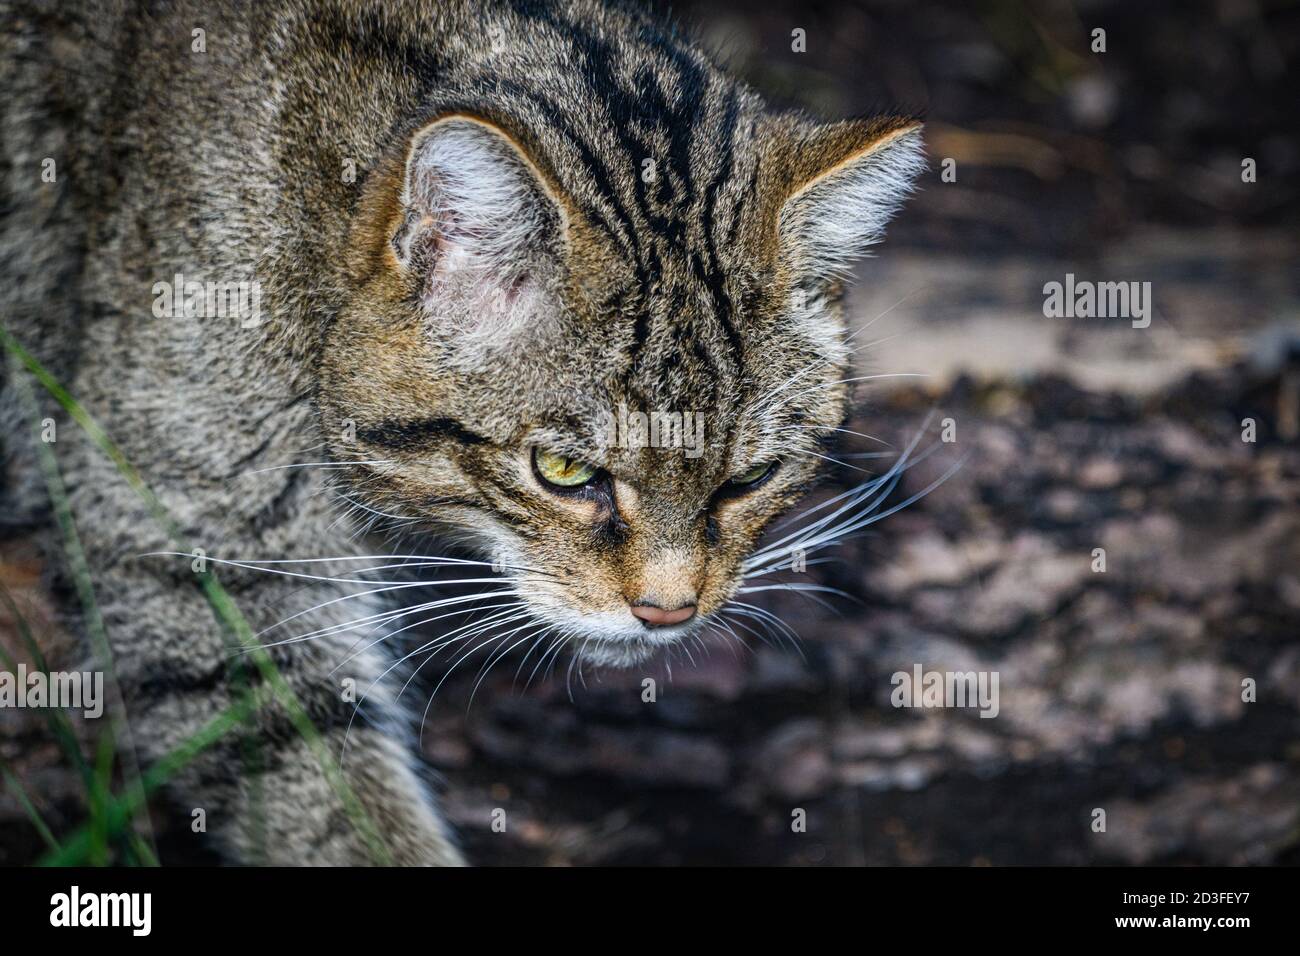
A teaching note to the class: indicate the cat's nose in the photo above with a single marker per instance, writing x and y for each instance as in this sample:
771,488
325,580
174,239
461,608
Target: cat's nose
655,616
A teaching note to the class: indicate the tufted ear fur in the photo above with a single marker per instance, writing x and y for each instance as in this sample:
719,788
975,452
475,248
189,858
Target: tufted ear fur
847,180
480,231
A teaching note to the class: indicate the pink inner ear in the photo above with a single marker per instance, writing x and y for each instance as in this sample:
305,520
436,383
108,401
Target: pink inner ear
484,296
516,287
430,248
475,232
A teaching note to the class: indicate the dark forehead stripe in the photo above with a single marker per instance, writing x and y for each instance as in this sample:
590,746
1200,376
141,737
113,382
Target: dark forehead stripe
646,103
716,284
727,143
368,33
746,198
680,371
664,102
615,105
611,215
419,433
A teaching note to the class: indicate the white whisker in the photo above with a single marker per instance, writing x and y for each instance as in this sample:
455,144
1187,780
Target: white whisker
316,464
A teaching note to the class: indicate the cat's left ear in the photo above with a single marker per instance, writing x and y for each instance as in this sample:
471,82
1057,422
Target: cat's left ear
843,182
477,218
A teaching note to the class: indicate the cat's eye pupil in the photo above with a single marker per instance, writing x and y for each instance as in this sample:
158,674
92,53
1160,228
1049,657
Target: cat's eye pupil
562,471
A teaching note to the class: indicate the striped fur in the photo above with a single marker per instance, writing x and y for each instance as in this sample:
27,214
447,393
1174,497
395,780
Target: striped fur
503,275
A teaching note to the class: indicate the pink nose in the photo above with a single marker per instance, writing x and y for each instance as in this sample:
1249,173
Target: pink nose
658,617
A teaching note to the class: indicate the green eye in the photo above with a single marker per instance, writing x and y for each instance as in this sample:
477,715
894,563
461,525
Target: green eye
753,476
561,471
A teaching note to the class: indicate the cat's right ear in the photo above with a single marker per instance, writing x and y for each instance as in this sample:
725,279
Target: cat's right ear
840,184
476,217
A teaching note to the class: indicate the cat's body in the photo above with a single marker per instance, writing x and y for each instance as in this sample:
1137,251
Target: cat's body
407,323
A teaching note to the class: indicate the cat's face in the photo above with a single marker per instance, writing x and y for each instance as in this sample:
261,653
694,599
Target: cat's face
611,396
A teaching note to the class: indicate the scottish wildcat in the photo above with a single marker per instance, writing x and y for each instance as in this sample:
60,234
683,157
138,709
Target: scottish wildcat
558,209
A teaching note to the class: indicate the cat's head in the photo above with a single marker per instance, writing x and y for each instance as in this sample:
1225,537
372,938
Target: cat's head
609,361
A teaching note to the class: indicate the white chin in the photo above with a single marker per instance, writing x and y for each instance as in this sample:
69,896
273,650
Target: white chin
615,640
623,651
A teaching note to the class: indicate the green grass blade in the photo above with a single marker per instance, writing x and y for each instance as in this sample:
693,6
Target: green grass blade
118,811
16,788
100,795
227,614
60,726
79,569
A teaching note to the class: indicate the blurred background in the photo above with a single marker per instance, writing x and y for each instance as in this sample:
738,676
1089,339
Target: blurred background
1119,690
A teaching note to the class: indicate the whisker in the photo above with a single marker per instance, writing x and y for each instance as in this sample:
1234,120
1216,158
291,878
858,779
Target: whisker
530,621
493,659
836,461
553,652
816,366
779,630
723,628
792,586
845,431
384,590
868,378
378,680
390,615
764,615
516,612
728,622
316,464
866,488
801,536
405,561
420,623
